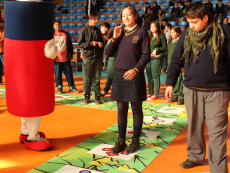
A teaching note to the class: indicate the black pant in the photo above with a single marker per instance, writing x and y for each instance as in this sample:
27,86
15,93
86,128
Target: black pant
66,67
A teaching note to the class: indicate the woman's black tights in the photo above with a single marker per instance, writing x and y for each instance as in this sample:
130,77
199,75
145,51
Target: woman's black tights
137,118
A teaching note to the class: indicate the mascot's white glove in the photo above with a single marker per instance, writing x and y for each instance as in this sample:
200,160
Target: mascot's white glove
50,49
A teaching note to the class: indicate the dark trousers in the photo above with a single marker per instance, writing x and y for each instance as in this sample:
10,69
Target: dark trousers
165,64
92,71
110,76
66,67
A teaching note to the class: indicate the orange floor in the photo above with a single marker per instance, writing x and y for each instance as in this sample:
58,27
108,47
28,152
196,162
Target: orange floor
68,126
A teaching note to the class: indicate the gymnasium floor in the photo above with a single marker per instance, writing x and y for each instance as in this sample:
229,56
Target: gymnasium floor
70,125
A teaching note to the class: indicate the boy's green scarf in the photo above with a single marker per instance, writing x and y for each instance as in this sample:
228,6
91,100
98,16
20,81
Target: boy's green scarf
213,34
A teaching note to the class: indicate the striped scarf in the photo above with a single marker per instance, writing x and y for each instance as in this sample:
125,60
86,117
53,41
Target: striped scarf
213,34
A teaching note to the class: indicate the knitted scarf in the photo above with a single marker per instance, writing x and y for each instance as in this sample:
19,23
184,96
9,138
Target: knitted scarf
213,34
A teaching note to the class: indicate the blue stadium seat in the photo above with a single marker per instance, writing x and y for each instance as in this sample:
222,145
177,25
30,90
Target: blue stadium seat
111,17
140,3
71,6
113,24
182,24
142,10
118,17
123,4
195,0
117,10
86,24
71,12
58,12
71,25
57,7
159,2
65,6
115,4
226,7
79,18
225,1
63,25
109,11
78,26
71,18
150,2
173,23
83,6
78,12
137,9
73,40
78,6
167,15
64,1
101,11
132,3
77,34
228,15
169,9
163,8
102,17
166,2
58,18
214,1
98,25
71,32
71,1
64,18
107,4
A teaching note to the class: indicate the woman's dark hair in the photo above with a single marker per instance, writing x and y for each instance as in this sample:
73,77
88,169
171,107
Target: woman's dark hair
177,30
161,13
138,20
158,32
147,3
196,10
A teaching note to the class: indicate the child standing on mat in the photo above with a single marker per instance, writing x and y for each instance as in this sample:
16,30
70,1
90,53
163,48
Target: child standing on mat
158,45
133,53
204,51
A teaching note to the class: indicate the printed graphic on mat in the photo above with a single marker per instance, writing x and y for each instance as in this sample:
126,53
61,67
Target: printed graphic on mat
159,129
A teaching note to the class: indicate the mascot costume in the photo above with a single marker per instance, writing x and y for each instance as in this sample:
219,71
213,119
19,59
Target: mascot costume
29,77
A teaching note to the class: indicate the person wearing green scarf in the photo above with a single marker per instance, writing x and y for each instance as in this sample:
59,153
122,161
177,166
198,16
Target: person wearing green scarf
203,50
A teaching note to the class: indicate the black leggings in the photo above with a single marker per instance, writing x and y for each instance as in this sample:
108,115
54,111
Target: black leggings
137,118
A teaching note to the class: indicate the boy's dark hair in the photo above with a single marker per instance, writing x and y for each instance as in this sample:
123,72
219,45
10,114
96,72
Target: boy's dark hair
169,25
57,21
138,20
219,0
164,20
196,10
91,15
106,24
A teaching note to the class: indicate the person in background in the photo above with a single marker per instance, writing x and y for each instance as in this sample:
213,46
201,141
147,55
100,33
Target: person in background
63,60
225,21
158,45
91,42
178,89
147,6
164,22
210,7
155,8
175,12
183,10
148,18
171,3
219,11
161,17
99,5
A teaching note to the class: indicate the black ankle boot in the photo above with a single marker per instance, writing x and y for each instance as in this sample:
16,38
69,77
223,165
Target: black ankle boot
86,100
97,99
134,146
120,145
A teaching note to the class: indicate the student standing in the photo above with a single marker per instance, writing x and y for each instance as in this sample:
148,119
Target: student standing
63,60
133,53
91,42
204,51
178,89
158,45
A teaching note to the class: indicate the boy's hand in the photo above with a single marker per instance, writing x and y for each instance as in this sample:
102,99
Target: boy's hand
157,56
94,43
168,92
82,57
100,44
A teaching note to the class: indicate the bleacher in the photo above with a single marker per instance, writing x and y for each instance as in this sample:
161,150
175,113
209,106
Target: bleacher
74,20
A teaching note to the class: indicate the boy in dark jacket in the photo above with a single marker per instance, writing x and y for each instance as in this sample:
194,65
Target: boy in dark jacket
175,12
204,51
91,42
210,7
220,10
63,60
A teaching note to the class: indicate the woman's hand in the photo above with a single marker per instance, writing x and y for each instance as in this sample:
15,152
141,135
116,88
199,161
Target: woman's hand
117,32
154,53
129,75
157,56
